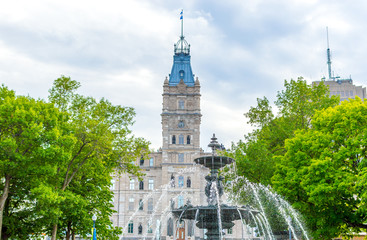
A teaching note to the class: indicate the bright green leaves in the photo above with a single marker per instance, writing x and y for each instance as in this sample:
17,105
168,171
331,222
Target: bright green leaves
296,104
30,143
324,167
57,160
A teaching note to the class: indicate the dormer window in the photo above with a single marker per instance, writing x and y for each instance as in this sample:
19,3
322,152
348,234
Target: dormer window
182,74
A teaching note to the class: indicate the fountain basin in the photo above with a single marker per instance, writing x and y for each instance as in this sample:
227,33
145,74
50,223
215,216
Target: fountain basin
214,162
207,216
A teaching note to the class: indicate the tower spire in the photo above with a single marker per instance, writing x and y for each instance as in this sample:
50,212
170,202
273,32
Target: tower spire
328,54
182,47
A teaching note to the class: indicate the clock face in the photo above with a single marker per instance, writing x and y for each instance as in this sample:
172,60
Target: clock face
181,124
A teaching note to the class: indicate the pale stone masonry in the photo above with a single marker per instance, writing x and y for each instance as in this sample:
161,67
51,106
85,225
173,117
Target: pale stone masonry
344,88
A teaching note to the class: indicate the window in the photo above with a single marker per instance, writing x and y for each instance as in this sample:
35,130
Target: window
141,185
181,104
151,162
181,157
141,205
130,228
188,182
131,204
170,227
172,180
188,140
140,229
141,161
181,74
230,230
180,181
173,139
150,204
132,184
180,201
351,93
151,184
342,93
181,139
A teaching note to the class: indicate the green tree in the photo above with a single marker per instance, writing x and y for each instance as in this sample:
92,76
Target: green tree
324,171
103,145
29,136
296,105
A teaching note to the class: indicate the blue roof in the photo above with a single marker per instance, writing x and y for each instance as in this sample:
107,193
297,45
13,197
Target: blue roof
181,69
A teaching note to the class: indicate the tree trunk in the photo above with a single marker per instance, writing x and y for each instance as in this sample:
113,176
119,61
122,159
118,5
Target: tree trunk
54,232
73,235
3,198
68,231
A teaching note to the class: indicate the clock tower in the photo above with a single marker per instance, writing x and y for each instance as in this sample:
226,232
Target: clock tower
181,115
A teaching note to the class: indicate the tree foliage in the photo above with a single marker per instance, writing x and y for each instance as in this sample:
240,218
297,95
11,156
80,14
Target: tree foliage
60,158
296,105
29,142
324,170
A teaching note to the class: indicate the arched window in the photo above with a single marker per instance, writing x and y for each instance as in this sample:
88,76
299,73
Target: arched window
188,140
181,74
174,139
181,104
181,139
141,185
142,161
172,180
180,201
140,229
180,181
170,227
141,205
130,228
151,162
188,182
132,184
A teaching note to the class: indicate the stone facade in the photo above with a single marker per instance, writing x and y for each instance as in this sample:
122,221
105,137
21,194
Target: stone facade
344,88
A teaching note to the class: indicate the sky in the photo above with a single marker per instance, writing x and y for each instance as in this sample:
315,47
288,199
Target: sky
122,50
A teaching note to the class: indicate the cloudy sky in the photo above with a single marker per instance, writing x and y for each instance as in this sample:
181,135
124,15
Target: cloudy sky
123,50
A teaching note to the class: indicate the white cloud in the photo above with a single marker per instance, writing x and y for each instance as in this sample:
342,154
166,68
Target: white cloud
122,50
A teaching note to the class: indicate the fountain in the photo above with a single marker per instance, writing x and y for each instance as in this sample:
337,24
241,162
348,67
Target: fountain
218,216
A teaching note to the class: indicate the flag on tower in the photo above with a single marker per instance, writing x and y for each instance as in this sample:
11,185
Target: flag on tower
181,15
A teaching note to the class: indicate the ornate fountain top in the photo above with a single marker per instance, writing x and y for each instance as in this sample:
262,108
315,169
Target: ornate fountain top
214,162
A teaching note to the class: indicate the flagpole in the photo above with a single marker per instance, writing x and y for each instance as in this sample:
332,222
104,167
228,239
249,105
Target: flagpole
182,30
